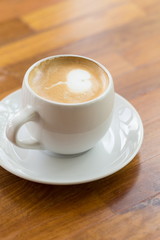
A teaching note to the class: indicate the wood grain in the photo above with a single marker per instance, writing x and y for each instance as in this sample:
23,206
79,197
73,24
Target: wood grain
65,34
11,9
66,11
17,30
124,36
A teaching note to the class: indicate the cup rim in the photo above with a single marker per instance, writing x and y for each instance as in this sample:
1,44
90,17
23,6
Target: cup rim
100,97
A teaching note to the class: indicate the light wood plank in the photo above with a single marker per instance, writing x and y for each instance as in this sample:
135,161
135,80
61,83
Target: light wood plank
68,33
144,51
114,62
14,8
149,6
140,81
65,11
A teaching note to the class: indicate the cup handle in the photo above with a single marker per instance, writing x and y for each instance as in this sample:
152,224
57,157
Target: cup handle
25,115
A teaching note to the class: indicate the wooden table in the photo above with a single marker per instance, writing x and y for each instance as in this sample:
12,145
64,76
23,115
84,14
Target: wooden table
123,35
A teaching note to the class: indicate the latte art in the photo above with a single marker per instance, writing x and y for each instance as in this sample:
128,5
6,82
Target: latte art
79,81
68,80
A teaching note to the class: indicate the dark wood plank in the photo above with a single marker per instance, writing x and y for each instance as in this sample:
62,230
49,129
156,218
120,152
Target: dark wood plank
13,30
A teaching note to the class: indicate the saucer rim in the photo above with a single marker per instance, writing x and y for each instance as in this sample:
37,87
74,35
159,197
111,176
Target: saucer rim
49,182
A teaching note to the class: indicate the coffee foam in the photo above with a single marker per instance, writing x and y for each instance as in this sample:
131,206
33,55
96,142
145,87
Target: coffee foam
68,80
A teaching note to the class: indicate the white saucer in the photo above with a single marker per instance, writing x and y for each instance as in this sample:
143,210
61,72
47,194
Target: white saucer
117,148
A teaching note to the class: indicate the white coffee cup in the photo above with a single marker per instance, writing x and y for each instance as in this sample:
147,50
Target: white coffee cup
60,127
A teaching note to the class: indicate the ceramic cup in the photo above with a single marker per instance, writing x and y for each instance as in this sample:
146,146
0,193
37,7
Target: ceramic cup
60,127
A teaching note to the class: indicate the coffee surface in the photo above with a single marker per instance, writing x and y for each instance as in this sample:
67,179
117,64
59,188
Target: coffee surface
68,80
